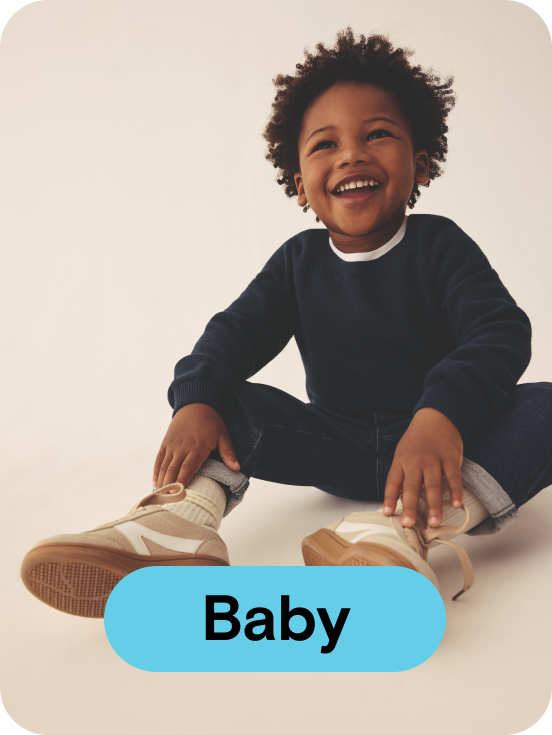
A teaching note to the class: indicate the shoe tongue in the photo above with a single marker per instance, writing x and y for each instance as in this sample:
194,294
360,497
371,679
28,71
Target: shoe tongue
163,496
412,536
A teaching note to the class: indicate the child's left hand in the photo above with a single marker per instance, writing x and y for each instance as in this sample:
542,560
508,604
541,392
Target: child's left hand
430,448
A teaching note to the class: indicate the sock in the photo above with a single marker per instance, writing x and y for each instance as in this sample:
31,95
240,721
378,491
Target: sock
205,502
454,516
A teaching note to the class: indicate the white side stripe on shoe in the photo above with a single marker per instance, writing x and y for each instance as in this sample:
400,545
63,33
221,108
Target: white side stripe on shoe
135,533
367,529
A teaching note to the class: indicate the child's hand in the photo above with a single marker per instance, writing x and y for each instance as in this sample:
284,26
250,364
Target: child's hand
196,429
430,448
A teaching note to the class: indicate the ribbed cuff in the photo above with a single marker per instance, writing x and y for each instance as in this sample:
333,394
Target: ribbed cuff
205,502
464,415
195,391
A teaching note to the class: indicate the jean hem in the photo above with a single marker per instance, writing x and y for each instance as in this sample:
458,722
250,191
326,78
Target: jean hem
236,481
502,509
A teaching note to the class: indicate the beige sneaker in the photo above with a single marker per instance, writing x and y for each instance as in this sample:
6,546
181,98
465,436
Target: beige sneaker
75,573
373,539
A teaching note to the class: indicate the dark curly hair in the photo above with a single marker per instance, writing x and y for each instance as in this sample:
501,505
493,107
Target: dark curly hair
424,99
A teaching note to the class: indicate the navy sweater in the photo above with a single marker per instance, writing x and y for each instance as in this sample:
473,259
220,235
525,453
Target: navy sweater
429,323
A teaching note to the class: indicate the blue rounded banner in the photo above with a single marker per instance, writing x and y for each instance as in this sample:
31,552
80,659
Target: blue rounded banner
275,619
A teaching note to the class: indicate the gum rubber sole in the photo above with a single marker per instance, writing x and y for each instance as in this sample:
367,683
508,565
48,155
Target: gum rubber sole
325,548
78,579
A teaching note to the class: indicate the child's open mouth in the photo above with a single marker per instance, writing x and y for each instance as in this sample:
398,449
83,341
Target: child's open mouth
357,193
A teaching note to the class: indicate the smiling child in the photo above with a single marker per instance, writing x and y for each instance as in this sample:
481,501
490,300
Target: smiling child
412,349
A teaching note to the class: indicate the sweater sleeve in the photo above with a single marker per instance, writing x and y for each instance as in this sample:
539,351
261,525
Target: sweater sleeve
473,383
237,342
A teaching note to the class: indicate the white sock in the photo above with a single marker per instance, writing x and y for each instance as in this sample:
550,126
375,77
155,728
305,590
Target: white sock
205,502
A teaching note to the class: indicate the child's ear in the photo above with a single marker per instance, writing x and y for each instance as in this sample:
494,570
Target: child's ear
421,162
302,200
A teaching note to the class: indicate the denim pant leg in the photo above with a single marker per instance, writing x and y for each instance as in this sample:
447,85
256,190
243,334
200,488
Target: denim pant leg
516,450
280,439
506,465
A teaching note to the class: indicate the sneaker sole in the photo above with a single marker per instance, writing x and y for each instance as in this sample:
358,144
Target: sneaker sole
326,549
78,579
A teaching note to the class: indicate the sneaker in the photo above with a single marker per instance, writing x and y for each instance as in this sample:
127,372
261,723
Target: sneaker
373,539
75,573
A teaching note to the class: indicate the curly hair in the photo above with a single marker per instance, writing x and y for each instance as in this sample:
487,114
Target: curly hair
424,99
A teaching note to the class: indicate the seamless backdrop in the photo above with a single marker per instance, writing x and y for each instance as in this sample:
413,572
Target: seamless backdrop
136,203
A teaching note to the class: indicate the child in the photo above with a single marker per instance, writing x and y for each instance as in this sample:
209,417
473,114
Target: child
411,344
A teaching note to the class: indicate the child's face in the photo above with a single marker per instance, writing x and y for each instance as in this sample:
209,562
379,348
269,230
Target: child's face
356,140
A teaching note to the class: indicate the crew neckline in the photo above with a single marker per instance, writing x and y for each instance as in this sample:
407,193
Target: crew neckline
372,254
366,268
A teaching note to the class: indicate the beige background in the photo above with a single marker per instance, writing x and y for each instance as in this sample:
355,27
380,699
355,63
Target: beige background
136,203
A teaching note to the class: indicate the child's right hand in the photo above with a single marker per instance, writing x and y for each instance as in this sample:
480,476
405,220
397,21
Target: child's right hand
195,430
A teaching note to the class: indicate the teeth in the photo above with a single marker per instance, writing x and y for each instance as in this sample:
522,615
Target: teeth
356,184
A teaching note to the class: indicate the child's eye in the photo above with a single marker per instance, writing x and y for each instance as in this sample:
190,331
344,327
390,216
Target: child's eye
371,136
378,132
316,147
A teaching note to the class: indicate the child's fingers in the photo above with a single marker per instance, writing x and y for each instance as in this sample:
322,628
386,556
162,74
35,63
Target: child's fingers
190,466
227,452
168,470
433,483
165,470
162,463
393,488
412,485
157,466
453,475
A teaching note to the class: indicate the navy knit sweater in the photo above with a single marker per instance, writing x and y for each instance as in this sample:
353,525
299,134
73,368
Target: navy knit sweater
429,323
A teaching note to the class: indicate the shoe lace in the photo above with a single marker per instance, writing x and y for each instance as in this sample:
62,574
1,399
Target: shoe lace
422,535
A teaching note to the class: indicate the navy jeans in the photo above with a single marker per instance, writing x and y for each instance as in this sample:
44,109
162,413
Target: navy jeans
281,439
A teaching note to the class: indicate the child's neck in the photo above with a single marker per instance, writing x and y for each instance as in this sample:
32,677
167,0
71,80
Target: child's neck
366,242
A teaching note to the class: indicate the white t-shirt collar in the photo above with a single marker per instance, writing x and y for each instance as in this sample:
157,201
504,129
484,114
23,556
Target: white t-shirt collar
395,240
